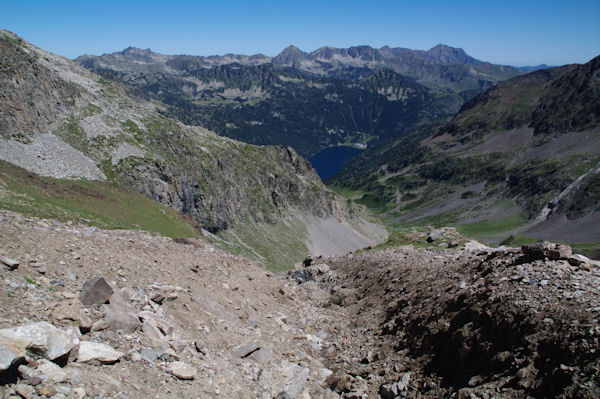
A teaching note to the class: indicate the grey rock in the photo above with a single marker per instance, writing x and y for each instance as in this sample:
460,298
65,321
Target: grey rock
263,355
296,379
12,264
95,291
151,354
50,369
42,338
435,235
390,391
302,276
33,376
121,316
247,349
89,351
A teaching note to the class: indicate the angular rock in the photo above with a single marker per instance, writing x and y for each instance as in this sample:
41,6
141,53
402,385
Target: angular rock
390,391
72,312
150,328
89,351
302,276
95,291
121,316
247,349
183,371
12,264
50,369
33,376
296,378
41,338
263,355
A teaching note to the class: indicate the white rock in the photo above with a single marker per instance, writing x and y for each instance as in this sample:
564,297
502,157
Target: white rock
42,337
52,371
182,370
89,351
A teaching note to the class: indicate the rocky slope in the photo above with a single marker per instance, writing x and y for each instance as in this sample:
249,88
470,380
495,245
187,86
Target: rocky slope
470,323
60,120
180,318
528,146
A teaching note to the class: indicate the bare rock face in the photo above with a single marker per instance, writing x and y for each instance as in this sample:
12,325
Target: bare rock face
95,291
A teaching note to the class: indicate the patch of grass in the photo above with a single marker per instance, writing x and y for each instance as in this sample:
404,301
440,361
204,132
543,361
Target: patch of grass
95,203
484,229
347,192
278,245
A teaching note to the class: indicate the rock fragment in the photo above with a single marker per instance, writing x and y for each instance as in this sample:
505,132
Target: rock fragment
89,351
95,291
24,390
42,338
12,264
182,370
247,349
302,276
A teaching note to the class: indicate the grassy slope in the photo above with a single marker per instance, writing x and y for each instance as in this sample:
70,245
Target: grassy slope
96,203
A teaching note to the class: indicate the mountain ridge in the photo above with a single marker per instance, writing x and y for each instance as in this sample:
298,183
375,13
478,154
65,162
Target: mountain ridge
525,149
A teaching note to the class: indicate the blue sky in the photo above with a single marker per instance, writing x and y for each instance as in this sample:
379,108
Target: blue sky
523,32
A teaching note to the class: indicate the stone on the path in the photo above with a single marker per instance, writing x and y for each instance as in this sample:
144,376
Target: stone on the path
12,264
89,351
95,291
247,349
42,338
182,370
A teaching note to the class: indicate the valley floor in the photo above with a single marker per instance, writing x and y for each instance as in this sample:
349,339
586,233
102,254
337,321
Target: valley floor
189,320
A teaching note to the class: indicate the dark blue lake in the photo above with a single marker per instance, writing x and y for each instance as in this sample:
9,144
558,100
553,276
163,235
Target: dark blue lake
328,161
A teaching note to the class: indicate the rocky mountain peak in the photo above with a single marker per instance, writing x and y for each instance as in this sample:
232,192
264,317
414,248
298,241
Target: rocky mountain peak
450,55
289,56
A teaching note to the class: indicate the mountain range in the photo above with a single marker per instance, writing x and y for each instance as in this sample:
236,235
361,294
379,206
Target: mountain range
310,101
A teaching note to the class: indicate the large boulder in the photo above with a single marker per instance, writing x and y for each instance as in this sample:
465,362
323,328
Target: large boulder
95,291
39,339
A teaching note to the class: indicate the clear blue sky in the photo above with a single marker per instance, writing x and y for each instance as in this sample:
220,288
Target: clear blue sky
523,32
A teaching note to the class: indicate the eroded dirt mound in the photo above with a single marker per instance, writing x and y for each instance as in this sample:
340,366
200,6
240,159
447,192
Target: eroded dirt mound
476,323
